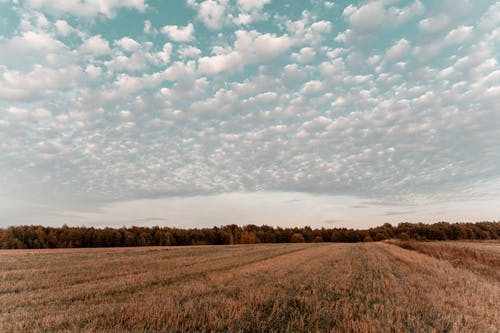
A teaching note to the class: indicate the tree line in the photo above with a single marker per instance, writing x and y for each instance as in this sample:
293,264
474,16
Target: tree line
36,237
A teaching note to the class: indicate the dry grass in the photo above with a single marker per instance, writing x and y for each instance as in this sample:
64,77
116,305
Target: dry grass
480,257
255,288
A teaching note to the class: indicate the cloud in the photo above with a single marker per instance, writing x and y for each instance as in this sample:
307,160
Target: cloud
89,110
365,17
136,62
128,44
305,55
210,12
95,45
189,52
30,86
249,5
220,63
63,28
490,19
312,87
249,47
374,16
86,8
307,30
398,50
260,46
434,24
459,35
179,34
32,47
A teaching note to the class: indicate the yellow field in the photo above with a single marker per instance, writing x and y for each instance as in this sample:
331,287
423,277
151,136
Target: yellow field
362,287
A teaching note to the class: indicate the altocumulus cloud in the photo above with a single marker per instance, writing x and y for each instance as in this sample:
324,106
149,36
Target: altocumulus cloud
109,101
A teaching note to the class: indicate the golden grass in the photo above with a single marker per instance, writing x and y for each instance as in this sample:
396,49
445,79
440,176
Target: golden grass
480,257
372,287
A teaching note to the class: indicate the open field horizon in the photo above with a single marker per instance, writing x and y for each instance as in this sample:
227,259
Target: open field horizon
360,287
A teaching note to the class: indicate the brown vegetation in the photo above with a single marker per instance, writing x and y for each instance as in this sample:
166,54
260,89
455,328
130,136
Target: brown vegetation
36,237
480,257
363,287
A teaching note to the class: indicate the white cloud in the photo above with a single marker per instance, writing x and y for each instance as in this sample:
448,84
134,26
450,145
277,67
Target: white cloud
375,16
179,34
30,45
249,5
220,63
210,12
304,31
148,27
304,115
135,62
249,47
434,24
329,4
41,113
366,17
459,35
243,19
256,46
63,28
42,78
86,8
305,55
163,57
93,72
490,19
189,52
312,87
128,44
95,45
18,113
398,50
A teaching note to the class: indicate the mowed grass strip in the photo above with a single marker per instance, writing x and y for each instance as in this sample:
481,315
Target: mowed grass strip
480,257
255,288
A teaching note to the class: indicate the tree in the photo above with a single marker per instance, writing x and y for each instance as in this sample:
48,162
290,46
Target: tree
248,237
404,236
367,239
297,238
318,239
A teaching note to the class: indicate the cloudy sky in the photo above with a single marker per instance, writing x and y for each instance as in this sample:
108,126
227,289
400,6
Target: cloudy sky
201,113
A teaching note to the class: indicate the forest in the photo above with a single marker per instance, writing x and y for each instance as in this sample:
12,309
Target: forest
35,237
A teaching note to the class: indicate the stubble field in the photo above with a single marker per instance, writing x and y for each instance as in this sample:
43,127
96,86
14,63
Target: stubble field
362,287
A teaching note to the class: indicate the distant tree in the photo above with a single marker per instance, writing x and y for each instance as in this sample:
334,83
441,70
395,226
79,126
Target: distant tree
33,237
404,236
379,236
297,238
367,238
248,237
318,239
226,238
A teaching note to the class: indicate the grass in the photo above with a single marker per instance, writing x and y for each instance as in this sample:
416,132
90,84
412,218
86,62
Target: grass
480,257
369,287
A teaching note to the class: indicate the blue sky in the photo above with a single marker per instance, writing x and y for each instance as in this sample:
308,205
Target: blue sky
201,113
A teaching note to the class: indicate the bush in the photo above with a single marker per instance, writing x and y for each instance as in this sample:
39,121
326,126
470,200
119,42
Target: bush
404,236
297,238
318,239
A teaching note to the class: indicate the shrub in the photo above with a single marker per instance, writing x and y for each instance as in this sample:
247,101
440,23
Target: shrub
318,239
404,236
297,238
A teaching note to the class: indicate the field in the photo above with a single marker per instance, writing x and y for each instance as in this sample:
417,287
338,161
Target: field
361,287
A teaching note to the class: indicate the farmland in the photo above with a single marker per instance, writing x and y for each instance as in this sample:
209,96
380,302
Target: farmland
359,287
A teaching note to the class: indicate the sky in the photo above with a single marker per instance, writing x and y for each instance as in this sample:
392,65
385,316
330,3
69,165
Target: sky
291,113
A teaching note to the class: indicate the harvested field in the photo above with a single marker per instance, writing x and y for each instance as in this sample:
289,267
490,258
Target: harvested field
480,257
362,287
